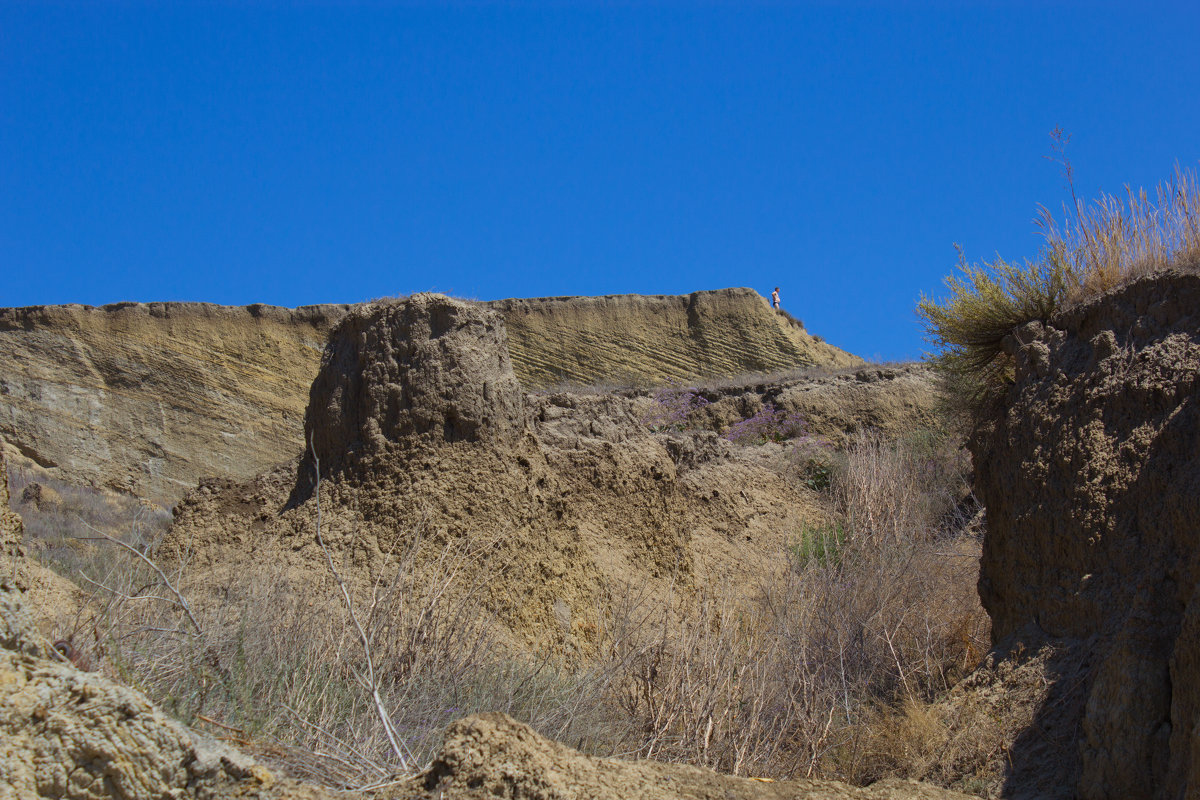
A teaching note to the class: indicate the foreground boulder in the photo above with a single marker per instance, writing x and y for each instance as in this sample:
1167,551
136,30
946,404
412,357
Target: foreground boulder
492,755
1091,479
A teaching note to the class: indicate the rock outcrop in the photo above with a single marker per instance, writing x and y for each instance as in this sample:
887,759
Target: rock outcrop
425,368
657,339
147,398
1091,479
422,434
491,755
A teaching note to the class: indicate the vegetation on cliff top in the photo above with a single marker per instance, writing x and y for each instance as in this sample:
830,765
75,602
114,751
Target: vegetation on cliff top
1095,249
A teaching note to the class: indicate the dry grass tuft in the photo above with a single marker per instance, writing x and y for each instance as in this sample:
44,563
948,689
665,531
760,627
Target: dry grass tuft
1094,250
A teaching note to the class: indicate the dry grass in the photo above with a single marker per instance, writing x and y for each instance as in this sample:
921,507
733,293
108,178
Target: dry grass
1115,241
277,667
805,675
1093,250
798,681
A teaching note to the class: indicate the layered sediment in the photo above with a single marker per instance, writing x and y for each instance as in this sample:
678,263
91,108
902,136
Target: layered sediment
148,398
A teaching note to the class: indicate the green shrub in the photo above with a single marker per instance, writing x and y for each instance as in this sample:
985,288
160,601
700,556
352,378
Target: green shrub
985,305
821,545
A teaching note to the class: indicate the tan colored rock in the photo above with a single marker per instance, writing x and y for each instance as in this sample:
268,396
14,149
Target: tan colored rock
579,497
1091,481
11,530
148,398
656,339
491,755
427,368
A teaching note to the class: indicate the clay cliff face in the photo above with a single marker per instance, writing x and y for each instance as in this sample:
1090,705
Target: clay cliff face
147,398
422,432
656,339
1091,479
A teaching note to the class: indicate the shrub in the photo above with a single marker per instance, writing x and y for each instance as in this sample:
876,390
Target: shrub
821,545
791,676
795,679
1094,250
271,662
816,461
674,408
770,424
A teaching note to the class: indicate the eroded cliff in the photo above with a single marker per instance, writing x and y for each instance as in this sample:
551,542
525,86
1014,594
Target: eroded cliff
656,339
147,398
423,436
1091,479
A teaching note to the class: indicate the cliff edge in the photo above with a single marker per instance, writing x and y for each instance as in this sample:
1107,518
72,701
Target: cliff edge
149,397
1091,480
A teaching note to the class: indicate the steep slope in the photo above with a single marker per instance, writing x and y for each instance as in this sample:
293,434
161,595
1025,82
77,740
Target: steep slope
423,435
147,398
1091,480
656,339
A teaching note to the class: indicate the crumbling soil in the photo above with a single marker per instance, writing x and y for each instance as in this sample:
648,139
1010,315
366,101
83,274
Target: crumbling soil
1092,487
578,500
492,755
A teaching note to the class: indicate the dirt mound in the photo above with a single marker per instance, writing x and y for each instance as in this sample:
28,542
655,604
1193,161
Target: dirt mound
75,734
429,368
491,755
575,497
1092,487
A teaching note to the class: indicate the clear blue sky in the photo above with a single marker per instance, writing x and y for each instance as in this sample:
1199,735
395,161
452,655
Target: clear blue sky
295,153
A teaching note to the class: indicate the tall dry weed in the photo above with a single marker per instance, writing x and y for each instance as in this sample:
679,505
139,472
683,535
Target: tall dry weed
274,663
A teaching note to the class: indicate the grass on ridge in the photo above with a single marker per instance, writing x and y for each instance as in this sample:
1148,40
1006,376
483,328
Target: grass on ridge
1093,251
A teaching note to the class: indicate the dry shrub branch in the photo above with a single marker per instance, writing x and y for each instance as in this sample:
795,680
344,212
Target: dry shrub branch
802,678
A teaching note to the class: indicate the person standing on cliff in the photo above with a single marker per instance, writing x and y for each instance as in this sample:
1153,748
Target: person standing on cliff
775,298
